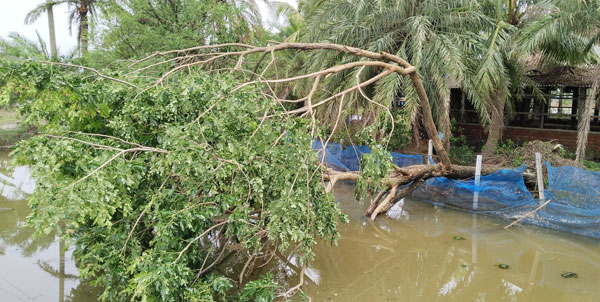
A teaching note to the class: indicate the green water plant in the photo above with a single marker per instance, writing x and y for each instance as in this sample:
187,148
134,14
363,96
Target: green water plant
568,275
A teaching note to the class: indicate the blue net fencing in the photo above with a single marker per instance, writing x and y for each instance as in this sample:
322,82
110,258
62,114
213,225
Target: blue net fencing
347,158
574,192
502,193
574,195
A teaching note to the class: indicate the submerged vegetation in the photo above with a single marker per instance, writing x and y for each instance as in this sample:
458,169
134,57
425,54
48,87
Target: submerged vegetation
160,155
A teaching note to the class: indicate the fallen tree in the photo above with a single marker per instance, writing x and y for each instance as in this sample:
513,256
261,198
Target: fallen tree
170,168
387,194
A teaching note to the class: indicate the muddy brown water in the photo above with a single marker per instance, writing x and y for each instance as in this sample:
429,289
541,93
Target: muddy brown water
423,253
415,256
32,270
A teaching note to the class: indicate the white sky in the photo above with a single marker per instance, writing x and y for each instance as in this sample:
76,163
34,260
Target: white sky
12,16
12,19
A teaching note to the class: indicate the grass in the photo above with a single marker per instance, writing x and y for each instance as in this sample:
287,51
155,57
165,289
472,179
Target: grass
591,165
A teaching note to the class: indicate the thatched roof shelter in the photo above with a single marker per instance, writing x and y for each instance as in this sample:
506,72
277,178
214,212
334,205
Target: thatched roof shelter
553,76
565,76
560,76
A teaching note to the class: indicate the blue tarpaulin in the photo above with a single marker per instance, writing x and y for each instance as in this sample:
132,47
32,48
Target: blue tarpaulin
347,158
574,192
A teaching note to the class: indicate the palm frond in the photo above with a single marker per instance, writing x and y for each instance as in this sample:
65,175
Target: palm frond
41,9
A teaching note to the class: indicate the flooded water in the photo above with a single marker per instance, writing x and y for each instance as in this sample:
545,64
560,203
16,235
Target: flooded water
424,253
31,270
428,253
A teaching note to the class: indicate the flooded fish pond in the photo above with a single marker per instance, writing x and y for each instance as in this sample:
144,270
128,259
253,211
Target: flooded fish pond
31,270
430,253
423,253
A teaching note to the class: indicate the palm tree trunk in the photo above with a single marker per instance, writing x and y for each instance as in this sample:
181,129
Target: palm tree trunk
583,128
444,122
51,31
496,127
84,29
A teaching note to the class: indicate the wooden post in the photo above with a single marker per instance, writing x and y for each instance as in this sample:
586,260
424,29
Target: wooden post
544,103
575,108
540,176
542,119
474,240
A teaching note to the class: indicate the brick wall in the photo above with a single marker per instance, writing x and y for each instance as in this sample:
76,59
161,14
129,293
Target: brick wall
568,138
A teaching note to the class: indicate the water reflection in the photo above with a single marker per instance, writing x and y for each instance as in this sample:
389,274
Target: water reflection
32,270
417,258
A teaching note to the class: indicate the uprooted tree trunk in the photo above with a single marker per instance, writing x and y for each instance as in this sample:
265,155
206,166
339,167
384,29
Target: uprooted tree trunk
413,176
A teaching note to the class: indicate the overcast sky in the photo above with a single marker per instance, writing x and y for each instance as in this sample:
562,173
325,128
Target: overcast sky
12,16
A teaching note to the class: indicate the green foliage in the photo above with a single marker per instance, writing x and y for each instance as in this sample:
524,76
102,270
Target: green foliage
375,167
481,45
259,290
460,152
378,132
444,39
176,173
402,134
138,27
19,46
592,165
564,153
509,147
567,34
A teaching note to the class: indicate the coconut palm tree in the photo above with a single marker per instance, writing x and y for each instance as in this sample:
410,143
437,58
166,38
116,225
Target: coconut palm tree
479,44
80,13
505,78
569,34
51,27
440,37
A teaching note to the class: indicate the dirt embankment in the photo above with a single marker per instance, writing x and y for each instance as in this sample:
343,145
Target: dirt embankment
12,130
551,152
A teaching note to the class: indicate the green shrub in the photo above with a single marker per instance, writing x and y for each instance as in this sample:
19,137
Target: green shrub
592,165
